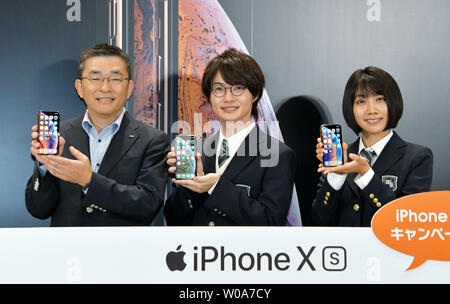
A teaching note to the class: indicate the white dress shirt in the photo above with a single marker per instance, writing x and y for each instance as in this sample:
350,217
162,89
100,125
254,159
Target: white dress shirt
99,142
234,142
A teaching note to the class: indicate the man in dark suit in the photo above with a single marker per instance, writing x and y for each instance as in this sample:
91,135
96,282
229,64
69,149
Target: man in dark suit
244,176
110,169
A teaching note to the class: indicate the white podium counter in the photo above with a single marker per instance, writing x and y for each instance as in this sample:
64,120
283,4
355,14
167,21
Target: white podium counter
206,255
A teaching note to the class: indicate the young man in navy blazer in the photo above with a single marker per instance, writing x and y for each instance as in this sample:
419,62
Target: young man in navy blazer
244,176
110,170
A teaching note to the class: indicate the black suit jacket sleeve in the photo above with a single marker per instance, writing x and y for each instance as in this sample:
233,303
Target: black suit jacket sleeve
271,206
326,203
142,200
42,194
180,206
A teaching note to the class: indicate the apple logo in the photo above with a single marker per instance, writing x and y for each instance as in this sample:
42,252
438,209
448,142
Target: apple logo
175,260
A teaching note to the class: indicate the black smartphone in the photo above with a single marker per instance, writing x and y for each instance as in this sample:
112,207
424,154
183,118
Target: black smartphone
185,154
48,130
331,135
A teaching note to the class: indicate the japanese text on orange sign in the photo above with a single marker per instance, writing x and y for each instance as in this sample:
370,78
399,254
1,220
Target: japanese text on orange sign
416,225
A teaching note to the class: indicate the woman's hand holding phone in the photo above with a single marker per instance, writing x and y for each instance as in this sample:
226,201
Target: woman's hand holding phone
358,164
319,150
319,155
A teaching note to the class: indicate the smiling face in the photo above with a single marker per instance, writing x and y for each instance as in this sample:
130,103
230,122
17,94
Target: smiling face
371,114
106,99
372,102
231,108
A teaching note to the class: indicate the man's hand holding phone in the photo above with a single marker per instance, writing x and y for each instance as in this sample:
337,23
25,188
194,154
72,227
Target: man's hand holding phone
201,183
76,170
36,145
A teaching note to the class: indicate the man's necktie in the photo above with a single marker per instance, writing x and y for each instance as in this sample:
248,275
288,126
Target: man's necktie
368,154
223,156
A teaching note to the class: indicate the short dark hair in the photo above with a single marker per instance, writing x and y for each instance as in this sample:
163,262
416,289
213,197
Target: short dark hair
103,50
235,67
369,82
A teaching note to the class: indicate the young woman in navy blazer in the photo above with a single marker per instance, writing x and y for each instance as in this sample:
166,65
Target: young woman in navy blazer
349,195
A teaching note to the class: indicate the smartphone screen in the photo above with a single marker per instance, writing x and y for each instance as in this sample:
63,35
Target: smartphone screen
48,130
185,154
331,136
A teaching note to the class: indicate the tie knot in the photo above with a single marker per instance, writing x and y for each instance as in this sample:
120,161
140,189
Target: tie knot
368,154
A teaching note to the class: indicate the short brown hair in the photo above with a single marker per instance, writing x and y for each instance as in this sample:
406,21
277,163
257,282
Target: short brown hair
369,82
103,50
235,67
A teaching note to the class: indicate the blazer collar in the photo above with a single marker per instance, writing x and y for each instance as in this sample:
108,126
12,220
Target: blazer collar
388,156
77,137
249,149
209,153
122,141
391,153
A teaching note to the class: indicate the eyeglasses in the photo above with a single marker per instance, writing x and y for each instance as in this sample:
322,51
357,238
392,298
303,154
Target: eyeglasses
236,90
115,79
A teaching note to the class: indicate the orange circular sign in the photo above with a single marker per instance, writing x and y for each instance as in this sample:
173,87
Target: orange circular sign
417,225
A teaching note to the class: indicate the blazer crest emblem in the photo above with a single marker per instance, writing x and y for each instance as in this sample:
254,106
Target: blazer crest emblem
390,180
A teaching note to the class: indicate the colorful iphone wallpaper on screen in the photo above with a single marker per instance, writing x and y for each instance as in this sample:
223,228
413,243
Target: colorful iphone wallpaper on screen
332,147
185,154
48,129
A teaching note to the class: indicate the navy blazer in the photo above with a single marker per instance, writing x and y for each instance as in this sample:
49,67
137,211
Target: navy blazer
401,169
248,192
127,190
